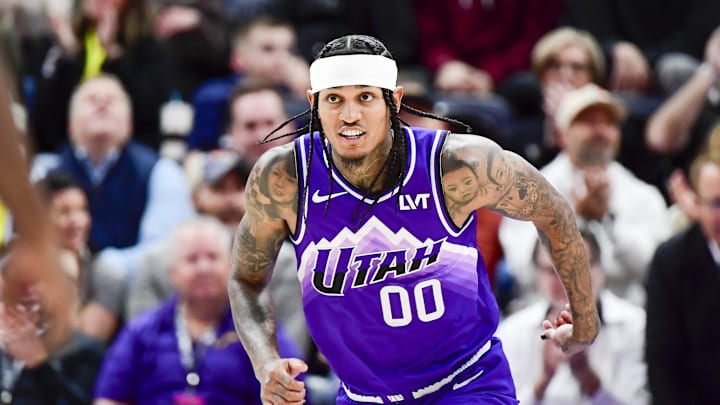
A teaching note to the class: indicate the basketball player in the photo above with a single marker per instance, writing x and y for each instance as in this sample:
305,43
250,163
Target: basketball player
395,292
36,256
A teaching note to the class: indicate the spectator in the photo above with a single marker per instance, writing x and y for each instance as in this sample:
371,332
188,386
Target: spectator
240,12
101,285
611,371
562,60
262,50
255,109
193,329
683,349
650,45
318,21
476,49
681,125
112,37
474,46
45,359
196,35
628,216
219,192
134,195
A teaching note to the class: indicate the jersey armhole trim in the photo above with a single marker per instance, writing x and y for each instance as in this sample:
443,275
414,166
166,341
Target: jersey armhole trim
301,165
436,181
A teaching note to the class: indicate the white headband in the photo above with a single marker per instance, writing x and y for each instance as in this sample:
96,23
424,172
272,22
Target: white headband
353,70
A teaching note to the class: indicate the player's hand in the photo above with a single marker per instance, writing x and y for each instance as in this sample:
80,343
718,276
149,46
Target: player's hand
279,385
560,331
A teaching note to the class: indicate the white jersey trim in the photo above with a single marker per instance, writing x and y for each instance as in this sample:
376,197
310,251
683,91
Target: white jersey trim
302,169
432,388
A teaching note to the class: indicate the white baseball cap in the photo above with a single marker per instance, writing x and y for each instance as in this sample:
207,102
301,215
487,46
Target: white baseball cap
579,100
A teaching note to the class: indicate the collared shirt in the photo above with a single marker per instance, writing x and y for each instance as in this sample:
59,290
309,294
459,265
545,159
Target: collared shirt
628,238
168,202
143,366
714,251
96,172
616,356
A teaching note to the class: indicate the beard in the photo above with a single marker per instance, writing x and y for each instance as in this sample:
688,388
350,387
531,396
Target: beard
352,162
596,156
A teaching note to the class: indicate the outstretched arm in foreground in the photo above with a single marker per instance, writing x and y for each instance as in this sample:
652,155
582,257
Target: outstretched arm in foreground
511,186
257,243
36,255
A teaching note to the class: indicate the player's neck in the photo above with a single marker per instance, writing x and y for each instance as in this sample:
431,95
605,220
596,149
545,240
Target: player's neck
363,173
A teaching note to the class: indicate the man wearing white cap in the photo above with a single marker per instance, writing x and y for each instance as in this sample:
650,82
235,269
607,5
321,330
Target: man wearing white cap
627,216
382,218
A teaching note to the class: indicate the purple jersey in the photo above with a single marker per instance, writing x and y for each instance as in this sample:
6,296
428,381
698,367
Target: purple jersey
401,301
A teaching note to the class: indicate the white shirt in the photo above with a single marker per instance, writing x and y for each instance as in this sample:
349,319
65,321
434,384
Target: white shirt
617,356
639,223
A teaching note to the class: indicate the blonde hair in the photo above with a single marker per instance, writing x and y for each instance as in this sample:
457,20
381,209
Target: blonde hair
709,154
559,38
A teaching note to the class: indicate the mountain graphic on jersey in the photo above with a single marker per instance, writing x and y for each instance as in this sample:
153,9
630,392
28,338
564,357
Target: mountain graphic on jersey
374,254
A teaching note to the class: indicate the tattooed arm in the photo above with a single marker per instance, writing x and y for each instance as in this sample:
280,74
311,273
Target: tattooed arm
271,209
488,176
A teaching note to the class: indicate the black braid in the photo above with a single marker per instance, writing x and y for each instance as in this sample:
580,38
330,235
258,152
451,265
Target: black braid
302,130
314,122
420,113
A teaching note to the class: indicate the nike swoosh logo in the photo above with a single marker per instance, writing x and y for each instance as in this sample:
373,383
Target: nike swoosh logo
317,198
468,381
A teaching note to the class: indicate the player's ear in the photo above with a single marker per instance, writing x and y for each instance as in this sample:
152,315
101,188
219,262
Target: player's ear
310,97
397,96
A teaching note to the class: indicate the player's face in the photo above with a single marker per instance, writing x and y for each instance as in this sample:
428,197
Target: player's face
70,216
355,120
708,195
461,185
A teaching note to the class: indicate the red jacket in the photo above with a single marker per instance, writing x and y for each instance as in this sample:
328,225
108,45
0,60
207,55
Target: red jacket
493,35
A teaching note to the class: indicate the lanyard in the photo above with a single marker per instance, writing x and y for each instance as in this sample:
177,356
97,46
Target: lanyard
189,357
11,370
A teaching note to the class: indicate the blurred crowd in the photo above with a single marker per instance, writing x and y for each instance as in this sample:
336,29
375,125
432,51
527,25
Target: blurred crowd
143,119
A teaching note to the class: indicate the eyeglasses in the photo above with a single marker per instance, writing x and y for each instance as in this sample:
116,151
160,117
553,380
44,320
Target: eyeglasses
712,203
575,67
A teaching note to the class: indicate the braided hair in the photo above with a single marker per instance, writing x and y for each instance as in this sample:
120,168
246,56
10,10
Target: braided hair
396,162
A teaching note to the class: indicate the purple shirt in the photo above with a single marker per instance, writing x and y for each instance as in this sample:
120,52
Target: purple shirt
400,300
143,365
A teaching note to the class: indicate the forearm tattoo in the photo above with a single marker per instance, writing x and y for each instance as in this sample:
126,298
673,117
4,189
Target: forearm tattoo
506,183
